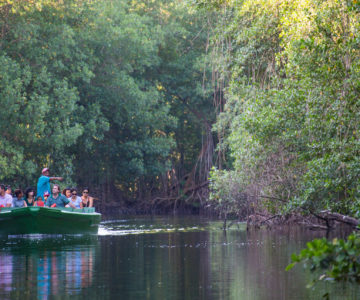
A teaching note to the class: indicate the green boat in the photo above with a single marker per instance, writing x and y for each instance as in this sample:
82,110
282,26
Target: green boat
25,220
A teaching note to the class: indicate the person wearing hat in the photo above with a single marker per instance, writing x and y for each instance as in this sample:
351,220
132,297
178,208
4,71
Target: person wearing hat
46,195
43,184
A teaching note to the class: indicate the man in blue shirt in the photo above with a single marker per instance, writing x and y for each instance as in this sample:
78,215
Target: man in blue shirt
57,199
43,184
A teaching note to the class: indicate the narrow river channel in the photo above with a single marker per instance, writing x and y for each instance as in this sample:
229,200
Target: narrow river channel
161,258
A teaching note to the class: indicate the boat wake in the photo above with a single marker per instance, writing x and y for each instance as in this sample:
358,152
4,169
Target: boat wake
122,227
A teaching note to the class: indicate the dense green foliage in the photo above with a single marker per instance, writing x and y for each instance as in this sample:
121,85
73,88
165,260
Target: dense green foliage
122,96
98,91
226,197
291,120
130,98
338,259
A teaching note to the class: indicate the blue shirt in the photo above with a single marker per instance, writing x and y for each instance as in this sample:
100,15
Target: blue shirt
76,202
43,186
60,201
18,202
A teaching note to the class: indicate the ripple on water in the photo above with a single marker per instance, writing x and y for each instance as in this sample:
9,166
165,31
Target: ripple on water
116,231
119,228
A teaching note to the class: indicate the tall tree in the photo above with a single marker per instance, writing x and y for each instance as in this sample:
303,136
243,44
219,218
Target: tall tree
290,117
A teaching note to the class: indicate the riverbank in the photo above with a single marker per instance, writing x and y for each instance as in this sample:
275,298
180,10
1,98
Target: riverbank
324,220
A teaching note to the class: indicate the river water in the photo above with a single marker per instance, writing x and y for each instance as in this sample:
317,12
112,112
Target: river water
161,258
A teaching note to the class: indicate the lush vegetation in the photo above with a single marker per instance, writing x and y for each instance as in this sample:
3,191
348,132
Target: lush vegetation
290,124
338,259
291,118
141,100
103,93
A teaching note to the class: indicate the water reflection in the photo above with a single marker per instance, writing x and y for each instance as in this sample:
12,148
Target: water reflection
160,258
46,266
252,266
6,266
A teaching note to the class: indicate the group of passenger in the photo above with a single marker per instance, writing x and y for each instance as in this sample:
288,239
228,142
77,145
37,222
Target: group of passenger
45,196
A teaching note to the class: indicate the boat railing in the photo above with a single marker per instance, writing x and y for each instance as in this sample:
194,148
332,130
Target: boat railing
83,210
69,209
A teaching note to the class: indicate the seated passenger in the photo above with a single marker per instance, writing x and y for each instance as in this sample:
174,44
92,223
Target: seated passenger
18,200
5,199
56,199
39,201
75,199
67,192
30,196
8,190
86,200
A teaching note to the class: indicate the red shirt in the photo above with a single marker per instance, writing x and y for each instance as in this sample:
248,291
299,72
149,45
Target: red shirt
39,203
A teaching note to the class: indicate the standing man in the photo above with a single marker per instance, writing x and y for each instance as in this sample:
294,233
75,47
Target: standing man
5,199
57,199
43,184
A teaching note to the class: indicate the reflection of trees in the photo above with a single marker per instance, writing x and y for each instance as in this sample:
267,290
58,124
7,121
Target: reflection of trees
175,265
189,264
6,266
156,266
267,257
251,265
39,272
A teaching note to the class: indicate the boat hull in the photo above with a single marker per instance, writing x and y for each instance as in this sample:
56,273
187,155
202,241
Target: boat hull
27,220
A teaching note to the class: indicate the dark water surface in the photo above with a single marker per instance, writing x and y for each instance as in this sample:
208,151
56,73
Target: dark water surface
160,258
